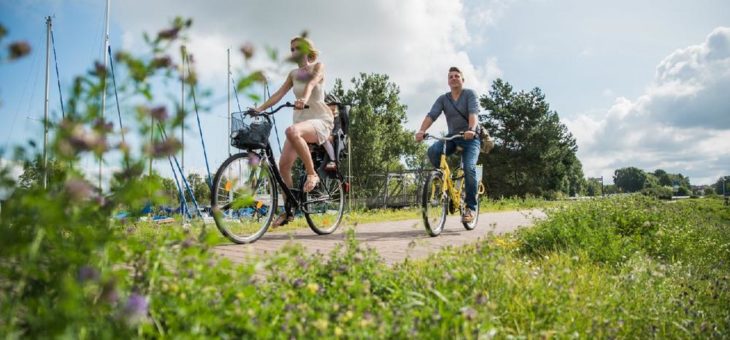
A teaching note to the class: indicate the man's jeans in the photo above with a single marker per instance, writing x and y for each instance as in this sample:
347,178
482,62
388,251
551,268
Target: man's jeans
469,157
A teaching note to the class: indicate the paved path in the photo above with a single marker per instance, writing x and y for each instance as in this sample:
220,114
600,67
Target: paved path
394,241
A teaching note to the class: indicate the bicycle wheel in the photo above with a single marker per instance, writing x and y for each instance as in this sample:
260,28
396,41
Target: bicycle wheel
244,198
325,205
434,204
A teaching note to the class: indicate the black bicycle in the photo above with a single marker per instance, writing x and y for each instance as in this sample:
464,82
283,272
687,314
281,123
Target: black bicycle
245,193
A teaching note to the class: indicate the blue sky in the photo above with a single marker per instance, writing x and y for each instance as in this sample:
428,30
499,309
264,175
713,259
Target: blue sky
639,83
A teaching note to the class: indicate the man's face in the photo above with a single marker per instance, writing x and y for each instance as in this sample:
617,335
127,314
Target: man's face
455,80
333,108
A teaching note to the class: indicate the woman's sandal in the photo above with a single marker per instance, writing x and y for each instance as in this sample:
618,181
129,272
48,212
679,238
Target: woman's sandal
282,219
312,181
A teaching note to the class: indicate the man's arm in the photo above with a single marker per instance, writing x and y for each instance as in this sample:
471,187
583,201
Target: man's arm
424,126
433,114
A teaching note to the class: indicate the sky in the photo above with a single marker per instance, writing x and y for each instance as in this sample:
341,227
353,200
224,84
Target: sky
637,83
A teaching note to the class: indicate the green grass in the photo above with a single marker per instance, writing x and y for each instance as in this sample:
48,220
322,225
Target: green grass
629,267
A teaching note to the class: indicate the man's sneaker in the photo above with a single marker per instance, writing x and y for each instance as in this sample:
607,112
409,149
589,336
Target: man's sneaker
468,216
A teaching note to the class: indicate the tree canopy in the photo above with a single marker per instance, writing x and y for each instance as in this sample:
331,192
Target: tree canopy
534,152
379,140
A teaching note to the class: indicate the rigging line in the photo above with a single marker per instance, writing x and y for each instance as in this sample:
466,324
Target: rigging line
200,129
187,186
267,95
58,77
116,95
27,95
233,83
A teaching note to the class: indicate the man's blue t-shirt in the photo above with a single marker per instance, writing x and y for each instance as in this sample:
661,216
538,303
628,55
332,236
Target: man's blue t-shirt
457,122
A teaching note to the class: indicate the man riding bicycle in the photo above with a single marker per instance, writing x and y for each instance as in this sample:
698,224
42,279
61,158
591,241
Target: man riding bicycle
461,109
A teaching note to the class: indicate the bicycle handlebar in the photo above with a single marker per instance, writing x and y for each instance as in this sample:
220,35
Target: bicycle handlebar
265,113
458,135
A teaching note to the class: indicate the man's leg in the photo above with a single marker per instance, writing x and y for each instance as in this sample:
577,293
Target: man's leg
470,156
435,150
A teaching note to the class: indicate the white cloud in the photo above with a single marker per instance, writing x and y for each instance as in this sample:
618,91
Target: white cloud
680,124
412,41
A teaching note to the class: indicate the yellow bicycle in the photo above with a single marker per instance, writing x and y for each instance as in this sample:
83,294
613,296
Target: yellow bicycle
444,193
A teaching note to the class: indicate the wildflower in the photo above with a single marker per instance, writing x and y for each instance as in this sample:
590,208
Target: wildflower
79,189
247,49
99,70
313,288
166,148
103,126
159,113
469,313
253,159
168,34
18,49
87,273
136,308
161,62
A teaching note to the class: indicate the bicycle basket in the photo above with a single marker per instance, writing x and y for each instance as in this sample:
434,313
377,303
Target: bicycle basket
249,132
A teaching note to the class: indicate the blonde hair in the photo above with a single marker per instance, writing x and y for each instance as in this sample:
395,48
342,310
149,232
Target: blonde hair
306,46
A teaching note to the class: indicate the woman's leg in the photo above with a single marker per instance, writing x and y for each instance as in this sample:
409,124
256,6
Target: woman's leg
286,161
298,135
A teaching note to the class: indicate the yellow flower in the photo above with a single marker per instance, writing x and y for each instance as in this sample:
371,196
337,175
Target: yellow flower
313,288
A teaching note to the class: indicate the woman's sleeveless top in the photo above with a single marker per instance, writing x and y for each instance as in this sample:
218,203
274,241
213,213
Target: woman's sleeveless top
317,108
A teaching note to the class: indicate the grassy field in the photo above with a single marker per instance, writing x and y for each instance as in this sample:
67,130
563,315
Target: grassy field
146,230
628,267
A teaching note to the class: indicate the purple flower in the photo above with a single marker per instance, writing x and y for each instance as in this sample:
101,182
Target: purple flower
166,148
78,189
87,273
253,159
159,113
136,307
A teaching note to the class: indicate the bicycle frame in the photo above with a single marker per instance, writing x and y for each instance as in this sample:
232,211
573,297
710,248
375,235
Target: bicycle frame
448,187
268,153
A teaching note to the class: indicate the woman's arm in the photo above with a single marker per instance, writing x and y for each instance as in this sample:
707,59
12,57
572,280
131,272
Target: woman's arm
276,97
317,77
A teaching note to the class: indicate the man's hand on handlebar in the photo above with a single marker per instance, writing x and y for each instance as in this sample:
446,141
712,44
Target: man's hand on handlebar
420,135
469,134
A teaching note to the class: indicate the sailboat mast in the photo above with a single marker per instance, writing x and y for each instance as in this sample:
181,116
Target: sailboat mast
182,106
228,113
45,104
103,82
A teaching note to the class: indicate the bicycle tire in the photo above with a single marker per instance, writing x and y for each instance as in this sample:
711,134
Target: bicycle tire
434,204
244,198
324,206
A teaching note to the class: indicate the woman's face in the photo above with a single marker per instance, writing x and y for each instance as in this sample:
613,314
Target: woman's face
333,108
296,51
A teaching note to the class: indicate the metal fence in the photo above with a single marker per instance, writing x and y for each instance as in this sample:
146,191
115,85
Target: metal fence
400,189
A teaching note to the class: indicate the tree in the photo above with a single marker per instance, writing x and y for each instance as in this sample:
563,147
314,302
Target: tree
33,173
594,187
379,141
722,181
534,152
630,179
200,188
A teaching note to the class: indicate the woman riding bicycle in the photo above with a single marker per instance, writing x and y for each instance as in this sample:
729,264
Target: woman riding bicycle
310,125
